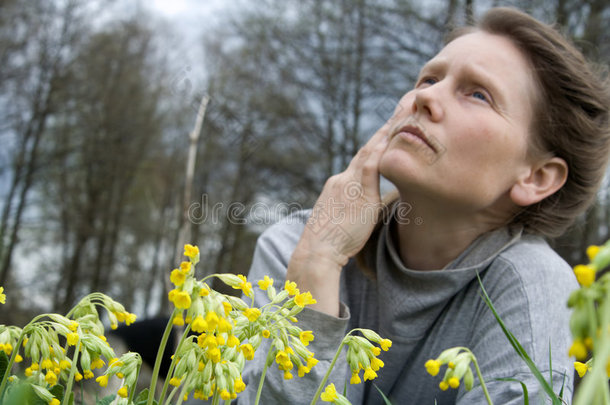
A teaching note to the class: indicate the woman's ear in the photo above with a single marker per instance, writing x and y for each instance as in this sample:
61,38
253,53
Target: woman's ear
542,181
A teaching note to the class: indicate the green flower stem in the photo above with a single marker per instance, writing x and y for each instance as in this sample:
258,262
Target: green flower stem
262,380
480,376
184,387
15,352
173,364
594,387
155,373
332,364
132,390
66,399
216,397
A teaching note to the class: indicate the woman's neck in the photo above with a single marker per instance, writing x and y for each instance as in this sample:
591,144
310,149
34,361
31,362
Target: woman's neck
435,235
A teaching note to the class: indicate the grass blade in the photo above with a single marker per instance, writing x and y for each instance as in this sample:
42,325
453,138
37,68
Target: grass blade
518,348
526,399
385,399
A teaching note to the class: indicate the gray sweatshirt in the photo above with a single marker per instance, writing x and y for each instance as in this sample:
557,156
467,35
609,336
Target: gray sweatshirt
426,312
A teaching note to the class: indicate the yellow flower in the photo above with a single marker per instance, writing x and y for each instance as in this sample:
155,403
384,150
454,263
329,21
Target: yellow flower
265,283
175,381
50,378
304,299
581,368
214,354
73,326
302,371
385,344
191,251
578,350
212,319
376,363
97,363
204,292
239,385
287,375
178,320
433,367
227,307
199,325
306,336
54,401
252,314
130,318
329,394
585,274
2,296
78,376
355,379
46,364
88,374
369,374
177,277
182,300
248,351
64,364
233,341
266,333
291,287
245,286
29,372
224,325
225,395
592,251
185,267
122,392
102,380
443,385
18,358
454,382
72,338
311,362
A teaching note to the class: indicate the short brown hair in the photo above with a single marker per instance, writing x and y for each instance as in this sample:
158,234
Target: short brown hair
570,115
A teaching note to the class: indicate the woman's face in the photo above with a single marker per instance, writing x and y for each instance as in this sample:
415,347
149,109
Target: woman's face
461,135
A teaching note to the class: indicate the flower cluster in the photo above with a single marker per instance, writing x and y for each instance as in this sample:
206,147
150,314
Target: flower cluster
586,321
361,355
57,345
590,324
458,361
228,331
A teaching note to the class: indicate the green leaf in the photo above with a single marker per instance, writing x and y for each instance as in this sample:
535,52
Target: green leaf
526,399
106,400
142,396
518,348
563,384
385,399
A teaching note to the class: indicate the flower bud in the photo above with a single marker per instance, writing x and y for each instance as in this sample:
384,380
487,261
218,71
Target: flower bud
468,379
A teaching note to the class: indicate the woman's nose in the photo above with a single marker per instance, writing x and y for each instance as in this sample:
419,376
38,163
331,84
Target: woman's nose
427,102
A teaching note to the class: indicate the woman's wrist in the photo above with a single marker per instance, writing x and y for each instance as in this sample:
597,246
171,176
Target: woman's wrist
320,274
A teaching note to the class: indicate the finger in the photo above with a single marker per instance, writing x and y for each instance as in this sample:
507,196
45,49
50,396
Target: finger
378,141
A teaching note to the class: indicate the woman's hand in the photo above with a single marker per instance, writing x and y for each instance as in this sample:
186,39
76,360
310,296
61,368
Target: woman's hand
341,222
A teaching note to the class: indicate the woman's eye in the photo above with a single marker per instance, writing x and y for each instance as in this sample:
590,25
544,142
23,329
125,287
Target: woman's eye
480,96
429,80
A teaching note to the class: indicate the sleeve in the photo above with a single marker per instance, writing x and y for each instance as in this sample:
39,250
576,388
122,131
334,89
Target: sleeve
272,253
530,296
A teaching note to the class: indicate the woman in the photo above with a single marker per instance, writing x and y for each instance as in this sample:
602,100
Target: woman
503,141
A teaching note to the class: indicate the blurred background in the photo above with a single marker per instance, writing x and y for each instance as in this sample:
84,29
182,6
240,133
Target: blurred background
98,98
